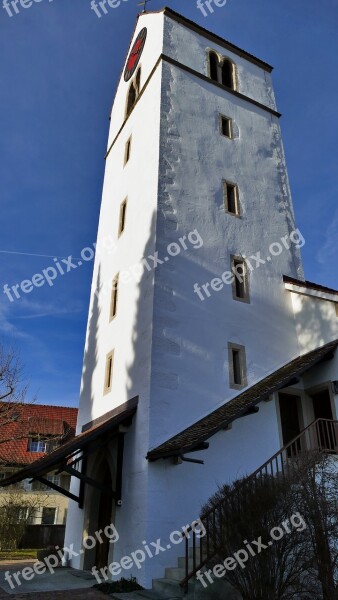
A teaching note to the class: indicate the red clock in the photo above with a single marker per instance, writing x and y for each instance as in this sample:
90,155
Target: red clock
135,54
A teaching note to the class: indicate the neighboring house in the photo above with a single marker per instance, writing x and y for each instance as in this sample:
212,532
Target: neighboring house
184,363
35,430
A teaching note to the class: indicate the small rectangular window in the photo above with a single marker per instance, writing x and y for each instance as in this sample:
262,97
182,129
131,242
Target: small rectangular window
127,151
226,126
109,372
240,285
237,366
231,202
114,297
122,221
48,516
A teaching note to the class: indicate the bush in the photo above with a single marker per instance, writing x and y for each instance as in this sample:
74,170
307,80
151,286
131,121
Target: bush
119,587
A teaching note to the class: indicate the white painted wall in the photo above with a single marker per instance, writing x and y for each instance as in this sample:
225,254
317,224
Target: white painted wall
151,52
190,354
129,334
190,48
316,321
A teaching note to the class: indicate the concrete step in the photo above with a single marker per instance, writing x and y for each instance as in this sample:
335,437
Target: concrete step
168,587
175,573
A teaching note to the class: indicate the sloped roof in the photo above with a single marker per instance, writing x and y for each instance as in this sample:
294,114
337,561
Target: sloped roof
19,422
122,415
309,284
192,437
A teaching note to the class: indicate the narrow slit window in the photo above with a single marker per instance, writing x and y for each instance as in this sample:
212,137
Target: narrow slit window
127,151
122,221
240,286
114,297
138,80
109,372
231,203
226,126
237,366
236,361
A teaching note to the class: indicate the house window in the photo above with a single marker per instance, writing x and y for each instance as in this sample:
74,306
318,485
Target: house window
109,372
240,285
127,151
48,516
37,446
114,296
225,126
231,202
222,70
122,219
237,366
38,486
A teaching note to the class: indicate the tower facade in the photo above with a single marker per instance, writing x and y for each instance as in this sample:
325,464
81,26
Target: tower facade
187,304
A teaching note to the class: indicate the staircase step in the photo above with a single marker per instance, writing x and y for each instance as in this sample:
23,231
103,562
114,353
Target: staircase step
168,587
175,573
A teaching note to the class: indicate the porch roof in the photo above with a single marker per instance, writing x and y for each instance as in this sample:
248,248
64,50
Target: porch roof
193,437
102,430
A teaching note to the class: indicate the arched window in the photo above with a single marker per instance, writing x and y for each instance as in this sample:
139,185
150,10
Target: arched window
228,74
213,66
132,95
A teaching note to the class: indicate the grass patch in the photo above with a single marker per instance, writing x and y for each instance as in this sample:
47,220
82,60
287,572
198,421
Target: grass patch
120,586
21,554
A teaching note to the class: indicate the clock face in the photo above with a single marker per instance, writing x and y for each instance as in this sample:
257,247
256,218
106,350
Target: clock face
135,54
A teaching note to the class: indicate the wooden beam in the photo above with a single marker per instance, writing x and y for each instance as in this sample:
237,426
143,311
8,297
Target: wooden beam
57,488
119,469
89,480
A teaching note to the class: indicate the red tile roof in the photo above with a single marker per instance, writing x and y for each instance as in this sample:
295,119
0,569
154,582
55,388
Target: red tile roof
32,420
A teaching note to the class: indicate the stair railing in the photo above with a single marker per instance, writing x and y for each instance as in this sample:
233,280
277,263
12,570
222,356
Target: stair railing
320,436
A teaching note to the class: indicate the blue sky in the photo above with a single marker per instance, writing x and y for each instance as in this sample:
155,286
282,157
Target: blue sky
59,71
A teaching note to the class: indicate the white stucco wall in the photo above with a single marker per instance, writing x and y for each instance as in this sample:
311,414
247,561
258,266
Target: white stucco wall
316,321
151,52
191,49
190,353
130,333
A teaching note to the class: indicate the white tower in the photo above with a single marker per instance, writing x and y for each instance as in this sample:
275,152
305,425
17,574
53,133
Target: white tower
195,177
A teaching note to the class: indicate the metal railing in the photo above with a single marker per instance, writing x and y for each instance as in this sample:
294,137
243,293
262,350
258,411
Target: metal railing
321,436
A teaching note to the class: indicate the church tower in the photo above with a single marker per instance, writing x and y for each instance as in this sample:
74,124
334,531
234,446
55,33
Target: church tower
196,231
